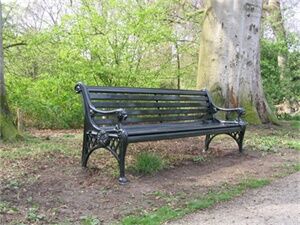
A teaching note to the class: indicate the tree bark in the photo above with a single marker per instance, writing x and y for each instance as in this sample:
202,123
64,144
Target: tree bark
229,57
8,130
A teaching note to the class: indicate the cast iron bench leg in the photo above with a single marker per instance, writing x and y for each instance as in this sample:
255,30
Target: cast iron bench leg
122,153
241,138
85,151
207,142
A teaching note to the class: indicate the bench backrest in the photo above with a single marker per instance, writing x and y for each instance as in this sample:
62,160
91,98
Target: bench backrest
149,105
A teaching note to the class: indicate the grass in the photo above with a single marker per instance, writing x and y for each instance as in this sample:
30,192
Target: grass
6,207
295,124
33,215
296,167
89,220
166,212
199,159
272,143
34,146
294,145
147,163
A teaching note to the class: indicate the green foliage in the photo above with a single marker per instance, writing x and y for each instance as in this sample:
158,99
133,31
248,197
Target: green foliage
148,163
110,43
115,43
287,88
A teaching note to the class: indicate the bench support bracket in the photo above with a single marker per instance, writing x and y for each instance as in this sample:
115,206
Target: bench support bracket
238,136
115,144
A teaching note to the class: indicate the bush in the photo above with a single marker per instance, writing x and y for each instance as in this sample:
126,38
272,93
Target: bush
277,90
47,102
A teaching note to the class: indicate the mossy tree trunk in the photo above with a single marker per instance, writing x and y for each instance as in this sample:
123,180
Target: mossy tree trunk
229,57
8,130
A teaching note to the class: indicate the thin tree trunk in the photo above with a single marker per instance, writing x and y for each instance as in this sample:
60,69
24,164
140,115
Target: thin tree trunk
8,130
229,57
276,21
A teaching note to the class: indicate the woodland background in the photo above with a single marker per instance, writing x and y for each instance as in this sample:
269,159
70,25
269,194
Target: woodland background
49,45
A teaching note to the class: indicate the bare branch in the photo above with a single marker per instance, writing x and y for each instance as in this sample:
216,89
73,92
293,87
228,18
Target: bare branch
14,45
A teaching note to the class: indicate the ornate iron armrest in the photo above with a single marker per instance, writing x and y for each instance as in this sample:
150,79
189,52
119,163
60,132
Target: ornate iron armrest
240,111
121,113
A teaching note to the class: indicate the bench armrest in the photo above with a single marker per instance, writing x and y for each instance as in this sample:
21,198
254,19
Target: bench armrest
121,113
240,111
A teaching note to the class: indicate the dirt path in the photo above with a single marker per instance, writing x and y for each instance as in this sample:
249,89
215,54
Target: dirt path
278,203
48,186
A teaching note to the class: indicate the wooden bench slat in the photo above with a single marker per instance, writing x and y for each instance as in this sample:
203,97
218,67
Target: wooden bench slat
145,91
182,134
115,96
174,127
133,112
151,119
146,105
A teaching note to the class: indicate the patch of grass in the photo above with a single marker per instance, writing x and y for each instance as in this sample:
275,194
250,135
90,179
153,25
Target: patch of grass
295,124
89,220
294,145
160,215
265,143
33,215
69,136
6,207
166,213
254,183
199,159
33,146
148,163
13,184
169,197
296,167
287,169
272,143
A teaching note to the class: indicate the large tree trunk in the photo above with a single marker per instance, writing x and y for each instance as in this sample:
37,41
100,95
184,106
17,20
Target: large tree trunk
229,57
8,130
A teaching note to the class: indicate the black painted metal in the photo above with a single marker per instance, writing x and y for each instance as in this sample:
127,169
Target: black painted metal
117,116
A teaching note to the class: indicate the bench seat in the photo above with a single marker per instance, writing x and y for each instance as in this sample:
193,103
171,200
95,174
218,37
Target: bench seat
151,132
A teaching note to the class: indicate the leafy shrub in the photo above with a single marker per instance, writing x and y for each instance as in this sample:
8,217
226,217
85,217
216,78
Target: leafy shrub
277,90
47,102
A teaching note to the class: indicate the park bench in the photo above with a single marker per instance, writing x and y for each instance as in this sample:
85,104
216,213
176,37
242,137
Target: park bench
117,116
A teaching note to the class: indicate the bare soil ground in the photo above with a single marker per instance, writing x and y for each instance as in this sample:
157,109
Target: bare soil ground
48,185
